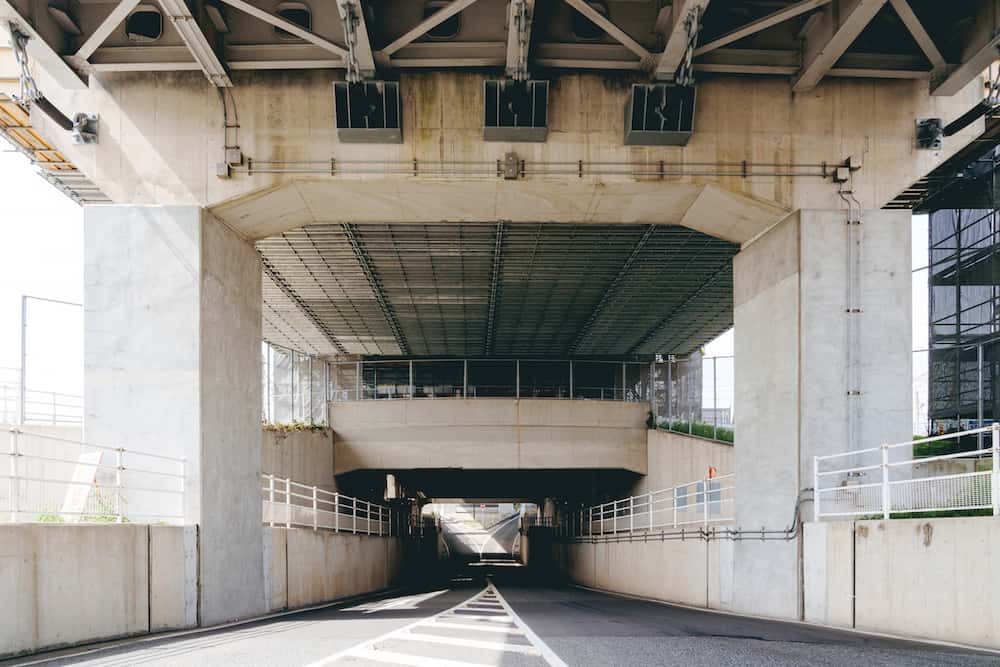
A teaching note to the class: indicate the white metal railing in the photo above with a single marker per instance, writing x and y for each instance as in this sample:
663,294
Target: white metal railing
883,480
53,479
704,502
38,407
288,503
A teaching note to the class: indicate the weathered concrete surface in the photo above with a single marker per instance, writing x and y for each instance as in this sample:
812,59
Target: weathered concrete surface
160,141
65,584
172,366
310,567
792,380
304,456
828,573
930,578
489,433
675,458
173,577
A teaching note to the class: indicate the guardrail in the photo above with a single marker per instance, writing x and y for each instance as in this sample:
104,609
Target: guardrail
39,407
704,502
869,482
53,479
288,503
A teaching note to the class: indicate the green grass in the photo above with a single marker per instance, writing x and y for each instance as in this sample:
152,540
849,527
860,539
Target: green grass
936,448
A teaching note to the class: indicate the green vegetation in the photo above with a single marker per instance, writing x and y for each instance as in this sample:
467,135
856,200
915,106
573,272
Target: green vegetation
699,429
49,518
295,426
936,448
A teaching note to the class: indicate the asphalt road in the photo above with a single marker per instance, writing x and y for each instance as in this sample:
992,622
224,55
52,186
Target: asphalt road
514,623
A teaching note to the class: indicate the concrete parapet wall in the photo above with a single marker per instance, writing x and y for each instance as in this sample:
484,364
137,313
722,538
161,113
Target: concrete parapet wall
489,434
307,567
304,456
928,578
675,458
66,584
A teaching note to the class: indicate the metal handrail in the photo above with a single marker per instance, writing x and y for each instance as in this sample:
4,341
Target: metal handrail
376,519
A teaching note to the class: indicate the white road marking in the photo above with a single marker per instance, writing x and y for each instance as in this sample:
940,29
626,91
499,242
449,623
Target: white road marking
405,659
505,621
469,643
547,653
480,627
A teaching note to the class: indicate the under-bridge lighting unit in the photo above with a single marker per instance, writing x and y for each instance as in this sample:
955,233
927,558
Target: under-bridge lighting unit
659,115
368,112
515,110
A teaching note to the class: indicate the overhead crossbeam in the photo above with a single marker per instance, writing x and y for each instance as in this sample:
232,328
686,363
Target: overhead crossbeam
104,30
677,37
287,26
612,289
194,38
763,23
839,24
495,269
613,31
432,21
375,282
920,35
519,18
981,49
286,289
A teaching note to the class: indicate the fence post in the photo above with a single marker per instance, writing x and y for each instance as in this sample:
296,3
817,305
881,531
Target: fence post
650,501
816,512
886,495
704,502
380,521
590,526
288,502
13,483
336,512
354,515
631,513
270,499
315,511
995,481
119,453
673,502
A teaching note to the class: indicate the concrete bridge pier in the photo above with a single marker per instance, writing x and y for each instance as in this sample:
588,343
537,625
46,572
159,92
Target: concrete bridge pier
823,365
172,365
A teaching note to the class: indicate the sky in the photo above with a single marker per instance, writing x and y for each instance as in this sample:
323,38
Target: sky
41,254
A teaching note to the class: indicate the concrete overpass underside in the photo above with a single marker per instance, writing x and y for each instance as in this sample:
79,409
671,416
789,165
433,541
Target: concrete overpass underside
497,289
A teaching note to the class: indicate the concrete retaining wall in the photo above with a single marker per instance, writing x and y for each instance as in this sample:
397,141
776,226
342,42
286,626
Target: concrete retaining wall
62,585
675,458
304,456
307,567
928,578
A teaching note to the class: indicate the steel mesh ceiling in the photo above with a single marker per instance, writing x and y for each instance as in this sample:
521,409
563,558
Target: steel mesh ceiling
429,289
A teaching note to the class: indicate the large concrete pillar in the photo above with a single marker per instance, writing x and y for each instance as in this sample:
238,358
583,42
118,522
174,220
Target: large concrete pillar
800,359
172,365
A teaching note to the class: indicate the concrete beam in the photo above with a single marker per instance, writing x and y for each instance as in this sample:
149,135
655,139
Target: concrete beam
920,36
760,24
431,21
96,38
613,31
39,51
678,39
187,26
519,17
287,26
981,49
830,36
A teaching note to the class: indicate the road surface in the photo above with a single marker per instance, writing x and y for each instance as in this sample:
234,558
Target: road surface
515,623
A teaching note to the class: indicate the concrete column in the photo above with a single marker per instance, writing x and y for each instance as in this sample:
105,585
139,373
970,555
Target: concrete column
172,365
794,350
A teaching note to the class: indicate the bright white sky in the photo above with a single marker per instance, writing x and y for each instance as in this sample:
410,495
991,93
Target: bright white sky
42,255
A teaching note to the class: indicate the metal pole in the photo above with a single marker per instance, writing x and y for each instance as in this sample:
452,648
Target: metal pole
411,379
571,379
650,501
357,384
886,499
24,359
631,513
288,502
465,378
315,511
979,395
670,394
652,393
13,484
673,501
715,402
816,512
119,454
517,381
590,528
995,481
623,381
354,515
336,512
270,499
